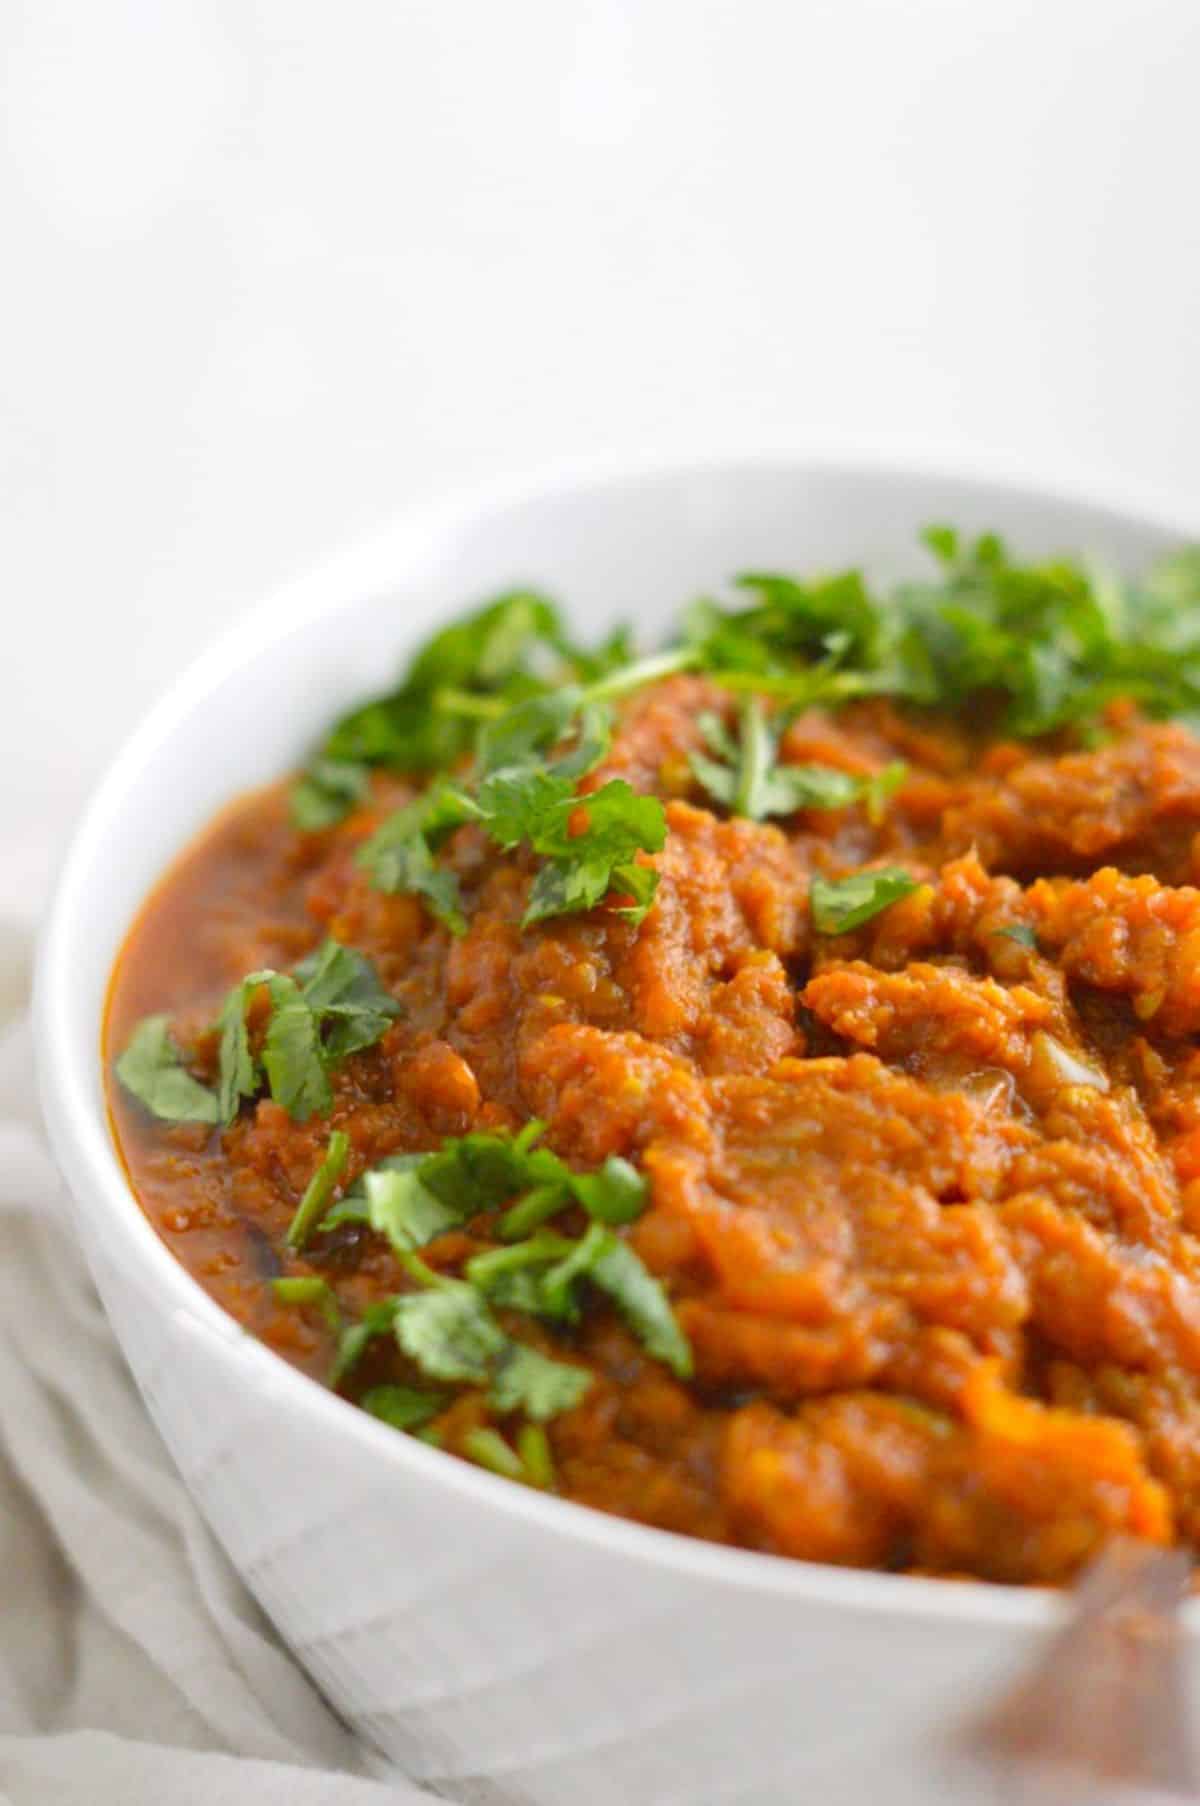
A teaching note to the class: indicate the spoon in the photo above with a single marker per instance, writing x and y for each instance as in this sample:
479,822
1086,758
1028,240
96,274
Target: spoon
1104,1708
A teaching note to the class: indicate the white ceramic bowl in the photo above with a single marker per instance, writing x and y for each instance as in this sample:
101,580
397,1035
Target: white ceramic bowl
502,1646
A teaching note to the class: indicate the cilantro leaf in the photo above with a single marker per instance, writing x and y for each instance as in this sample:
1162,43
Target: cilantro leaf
239,1076
327,792
749,780
530,805
292,1056
527,1381
399,856
614,1194
581,868
841,904
492,653
319,1189
342,989
339,992
403,1407
526,733
152,1070
611,1264
450,1333
524,804
376,1320
402,1208
411,1198
407,865
512,1277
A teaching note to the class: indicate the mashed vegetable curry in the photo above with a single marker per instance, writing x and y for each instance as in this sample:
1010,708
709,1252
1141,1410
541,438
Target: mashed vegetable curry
754,1089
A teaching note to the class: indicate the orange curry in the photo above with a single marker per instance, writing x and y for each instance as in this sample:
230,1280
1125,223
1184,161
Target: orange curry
924,1195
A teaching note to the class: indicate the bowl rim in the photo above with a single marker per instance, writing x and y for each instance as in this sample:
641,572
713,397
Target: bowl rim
80,1132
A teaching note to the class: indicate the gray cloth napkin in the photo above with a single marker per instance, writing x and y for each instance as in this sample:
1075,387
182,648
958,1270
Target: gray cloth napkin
135,1670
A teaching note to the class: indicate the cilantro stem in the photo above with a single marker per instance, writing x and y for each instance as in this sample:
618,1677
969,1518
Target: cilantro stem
812,684
419,1270
533,1447
319,1190
466,702
487,1448
754,761
643,671
308,1289
536,1208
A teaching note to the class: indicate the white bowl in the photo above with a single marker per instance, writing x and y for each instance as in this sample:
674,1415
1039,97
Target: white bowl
503,1646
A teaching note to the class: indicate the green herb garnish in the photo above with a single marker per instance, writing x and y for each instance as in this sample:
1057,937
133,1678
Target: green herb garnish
611,1264
404,1407
447,1327
376,1320
530,805
411,1198
746,775
328,791
449,1332
152,1070
533,1446
309,1289
332,1006
315,1202
841,904
487,1448
510,648
1020,932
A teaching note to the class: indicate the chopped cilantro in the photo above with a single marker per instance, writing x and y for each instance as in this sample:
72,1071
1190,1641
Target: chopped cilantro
841,904
535,1385
616,1193
337,1008
411,1198
487,1448
319,1189
397,1205
376,1320
748,778
152,1070
400,854
403,1407
611,1264
342,989
512,1277
327,792
449,1332
309,1289
293,1057
533,1446
1020,932
582,868
332,1006
494,653
534,805
446,1327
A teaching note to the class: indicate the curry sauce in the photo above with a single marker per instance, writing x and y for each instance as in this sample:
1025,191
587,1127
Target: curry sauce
923,1194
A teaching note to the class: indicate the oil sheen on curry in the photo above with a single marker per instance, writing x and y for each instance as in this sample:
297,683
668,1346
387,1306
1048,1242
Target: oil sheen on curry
751,1088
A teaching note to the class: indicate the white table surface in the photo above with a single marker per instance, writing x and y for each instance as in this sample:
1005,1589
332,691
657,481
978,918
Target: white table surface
271,267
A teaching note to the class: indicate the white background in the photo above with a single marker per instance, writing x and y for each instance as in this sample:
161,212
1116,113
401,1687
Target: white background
268,268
